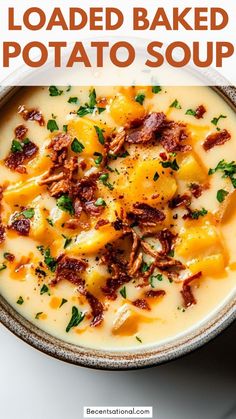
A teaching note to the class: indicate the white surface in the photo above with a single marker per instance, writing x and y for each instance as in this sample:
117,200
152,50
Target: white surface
200,385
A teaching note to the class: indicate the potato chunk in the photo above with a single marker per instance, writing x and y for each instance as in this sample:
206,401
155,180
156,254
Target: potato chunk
198,239
125,109
22,192
191,170
212,265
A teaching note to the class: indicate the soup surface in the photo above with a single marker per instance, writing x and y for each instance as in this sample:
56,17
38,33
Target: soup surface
117,210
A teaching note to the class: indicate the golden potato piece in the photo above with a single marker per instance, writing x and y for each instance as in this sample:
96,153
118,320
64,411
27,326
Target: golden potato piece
191,170
125,109
22,192
198,239
210,265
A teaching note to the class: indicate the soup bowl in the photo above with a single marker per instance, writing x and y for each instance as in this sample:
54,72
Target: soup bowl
201,333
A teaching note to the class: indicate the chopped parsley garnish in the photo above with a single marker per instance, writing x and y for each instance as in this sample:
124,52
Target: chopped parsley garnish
68,241
176,104
138,339
190,112
100,135
84,110
104,179
101,110
156,89
145,267
152,278
50,261
44,289
50,222
16,146
54,91
228,169
171,253
156,177
65,128
140,98
41,249
123,292
73,100
2,267
77,146
65,203
37,316
68,88
20,301
100,203
171,164
215,120
52,125
221,195
99,157
195,215
92,98
28,213
76,318
63,301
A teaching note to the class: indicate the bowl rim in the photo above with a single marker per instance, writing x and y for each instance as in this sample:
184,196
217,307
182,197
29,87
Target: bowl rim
144,357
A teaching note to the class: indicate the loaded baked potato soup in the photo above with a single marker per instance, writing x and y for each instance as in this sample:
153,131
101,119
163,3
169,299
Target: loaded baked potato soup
117,210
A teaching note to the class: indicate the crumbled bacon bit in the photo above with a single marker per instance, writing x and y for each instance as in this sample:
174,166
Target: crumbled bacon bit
137,263
117,143
16,160
9,257
155,293
163,156
200,111
93,209
180,200
87,187
196,189
97,309
2,232
69,269
145,214
21,226
218,138
167,239
151,124
172,136
59,145
31,115
20,132
187,292
101,223
78,208
142,304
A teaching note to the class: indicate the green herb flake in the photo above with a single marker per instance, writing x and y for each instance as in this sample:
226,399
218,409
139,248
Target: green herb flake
100,203
228,169
16,146
20,301
101,110
215,120
28,213
156,89
63,301
92,98
190,112
138,339
84,110
65,203
52,125
99,158
140,98
145,267
68,241
50,222
73,100
77,146
195,215
123,292
50,261
172,164
54,91
156,177
221,195
68,88
65,128
76,318
104,179
152,278
2,267
44,289
100,135
40,249
37,316
176,104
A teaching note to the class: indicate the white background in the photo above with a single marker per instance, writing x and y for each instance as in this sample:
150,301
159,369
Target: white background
201,385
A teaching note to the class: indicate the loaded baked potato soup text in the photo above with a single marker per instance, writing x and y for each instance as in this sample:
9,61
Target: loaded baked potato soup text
117,223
